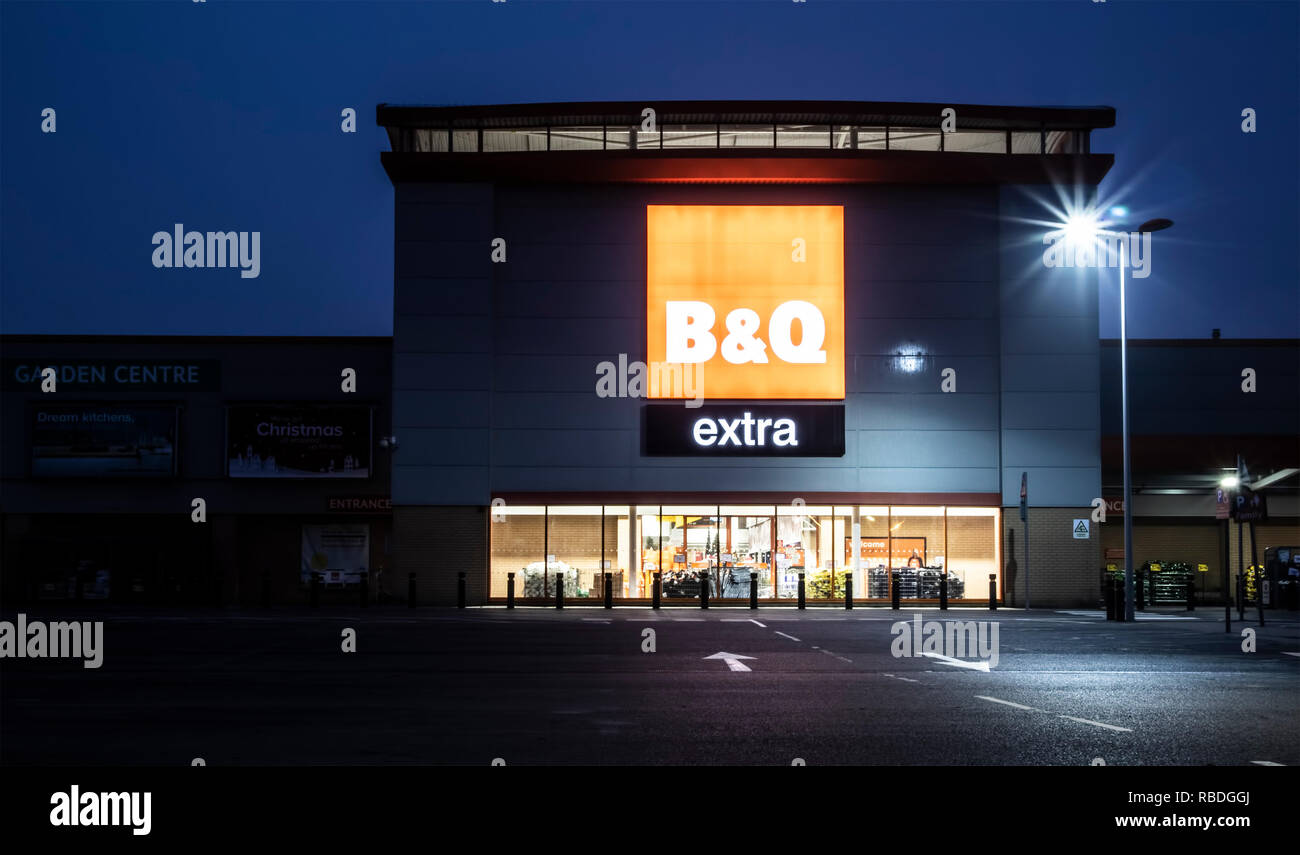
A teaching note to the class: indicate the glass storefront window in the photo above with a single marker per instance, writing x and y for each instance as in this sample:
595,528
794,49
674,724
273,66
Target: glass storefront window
690,549
726,543
746,547
649,555
974,552
873,552
824,579
573,544
619,559
799,544
917,550
517,534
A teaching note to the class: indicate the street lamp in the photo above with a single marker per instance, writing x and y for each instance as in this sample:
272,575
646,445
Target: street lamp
1084,227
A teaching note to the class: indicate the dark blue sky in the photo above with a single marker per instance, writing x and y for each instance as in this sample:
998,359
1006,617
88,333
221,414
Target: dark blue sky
226,115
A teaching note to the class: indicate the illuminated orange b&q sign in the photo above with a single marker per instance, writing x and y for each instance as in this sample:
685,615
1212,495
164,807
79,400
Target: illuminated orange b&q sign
752,294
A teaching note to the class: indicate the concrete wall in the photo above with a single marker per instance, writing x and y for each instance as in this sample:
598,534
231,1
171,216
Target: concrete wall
1050,397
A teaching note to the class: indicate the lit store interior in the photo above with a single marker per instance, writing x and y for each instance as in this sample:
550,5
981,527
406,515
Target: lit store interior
578,544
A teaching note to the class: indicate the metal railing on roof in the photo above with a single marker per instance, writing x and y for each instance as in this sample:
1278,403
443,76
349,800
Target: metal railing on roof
738,136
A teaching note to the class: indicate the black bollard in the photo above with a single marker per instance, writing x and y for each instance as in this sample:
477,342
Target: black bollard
363,589
410,590
943,592
460,590
656,589
704,589
993,592
266,589
1121,599
753,589
895,594
1260,582
1191,594
559,590
801,589
315,590
1108,595
1140,582
848,590
609,590
1241,597
510,590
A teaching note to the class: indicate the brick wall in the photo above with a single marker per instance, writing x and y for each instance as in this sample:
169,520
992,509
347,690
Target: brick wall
436,543
1064,572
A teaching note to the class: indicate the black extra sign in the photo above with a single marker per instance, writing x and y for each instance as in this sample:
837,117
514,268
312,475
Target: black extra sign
744,430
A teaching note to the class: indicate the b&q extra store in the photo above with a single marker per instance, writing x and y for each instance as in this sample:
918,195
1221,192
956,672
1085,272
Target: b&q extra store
718,338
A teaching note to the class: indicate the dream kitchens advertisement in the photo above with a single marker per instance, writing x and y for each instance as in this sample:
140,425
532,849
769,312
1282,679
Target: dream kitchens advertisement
103,441
298,442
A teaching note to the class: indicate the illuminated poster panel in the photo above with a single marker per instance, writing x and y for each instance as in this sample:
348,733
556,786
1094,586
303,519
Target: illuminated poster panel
298,441
103,441
752,296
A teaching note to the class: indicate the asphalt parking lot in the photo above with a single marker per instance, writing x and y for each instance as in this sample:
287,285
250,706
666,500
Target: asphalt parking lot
722,686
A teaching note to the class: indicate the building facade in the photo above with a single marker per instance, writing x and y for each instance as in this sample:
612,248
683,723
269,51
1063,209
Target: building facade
1193,412
104,460
853,272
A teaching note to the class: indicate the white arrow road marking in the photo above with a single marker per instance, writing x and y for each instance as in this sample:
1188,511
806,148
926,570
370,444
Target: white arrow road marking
957,663
780,633
1266,763
732,660
1099,724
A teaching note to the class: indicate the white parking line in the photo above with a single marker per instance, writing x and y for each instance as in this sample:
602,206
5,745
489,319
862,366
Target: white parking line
779,632
1099,724
1289,653
907,679
756,623
1008,703
1266,763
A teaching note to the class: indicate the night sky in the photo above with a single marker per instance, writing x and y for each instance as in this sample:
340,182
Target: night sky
225,115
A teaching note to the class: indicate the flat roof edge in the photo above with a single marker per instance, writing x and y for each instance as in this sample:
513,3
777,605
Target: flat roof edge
1088,116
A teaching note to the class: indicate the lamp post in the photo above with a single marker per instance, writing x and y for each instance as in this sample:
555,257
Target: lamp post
1149,226
1084,227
